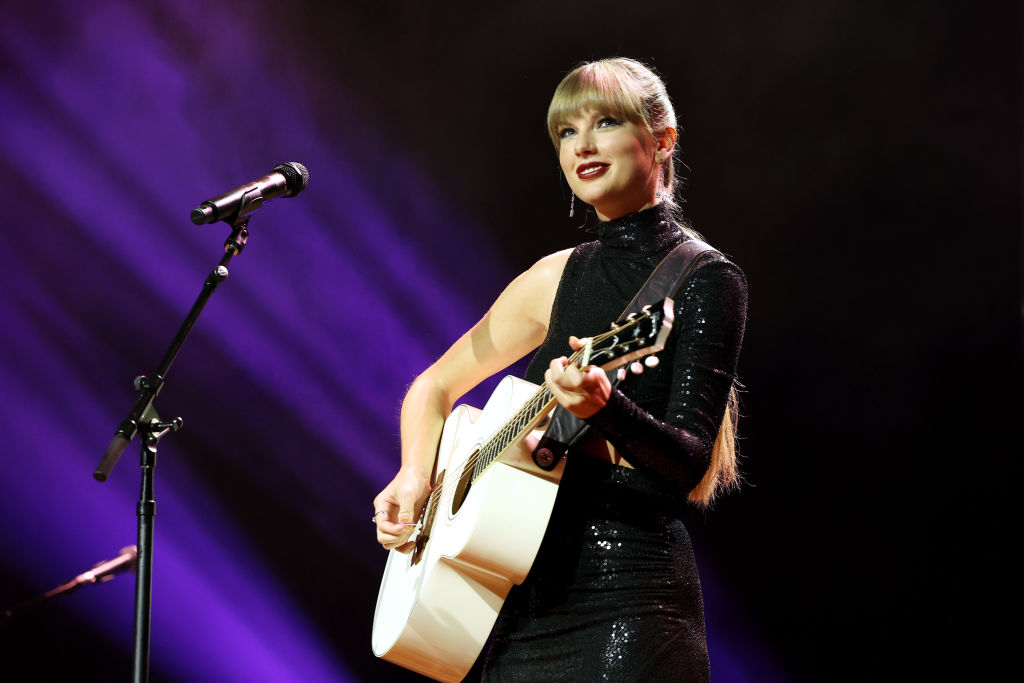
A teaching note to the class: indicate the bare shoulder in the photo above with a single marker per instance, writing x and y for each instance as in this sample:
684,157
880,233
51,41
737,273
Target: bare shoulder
552,265
522,312
546,272
515,324
556,260
538,285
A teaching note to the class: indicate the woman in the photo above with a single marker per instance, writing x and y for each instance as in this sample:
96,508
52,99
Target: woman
614,593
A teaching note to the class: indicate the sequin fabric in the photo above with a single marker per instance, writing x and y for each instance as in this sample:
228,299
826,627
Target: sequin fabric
665,420
614,594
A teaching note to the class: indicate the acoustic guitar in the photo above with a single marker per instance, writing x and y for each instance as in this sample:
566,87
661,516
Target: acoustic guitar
482,525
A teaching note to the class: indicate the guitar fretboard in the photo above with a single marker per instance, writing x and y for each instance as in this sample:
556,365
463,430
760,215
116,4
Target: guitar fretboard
539,404
526,418
624,341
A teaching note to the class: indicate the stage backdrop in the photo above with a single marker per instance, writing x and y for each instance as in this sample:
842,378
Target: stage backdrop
859,161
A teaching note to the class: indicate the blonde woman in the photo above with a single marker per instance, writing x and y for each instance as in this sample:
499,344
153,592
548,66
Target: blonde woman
614,592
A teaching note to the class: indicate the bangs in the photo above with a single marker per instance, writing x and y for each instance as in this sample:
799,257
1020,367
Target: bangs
600,88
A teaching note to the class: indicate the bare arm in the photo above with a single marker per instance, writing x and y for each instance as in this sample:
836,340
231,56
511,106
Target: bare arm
515,325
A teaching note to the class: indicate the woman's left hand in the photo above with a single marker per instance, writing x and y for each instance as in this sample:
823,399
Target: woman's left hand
582,392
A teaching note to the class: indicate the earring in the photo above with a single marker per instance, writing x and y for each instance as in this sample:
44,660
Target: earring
572,204
661,181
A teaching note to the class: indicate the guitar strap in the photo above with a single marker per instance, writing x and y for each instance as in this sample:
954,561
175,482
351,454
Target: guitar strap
564,428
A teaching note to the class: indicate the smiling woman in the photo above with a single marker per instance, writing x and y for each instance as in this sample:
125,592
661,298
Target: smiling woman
614,592
628,105
610,163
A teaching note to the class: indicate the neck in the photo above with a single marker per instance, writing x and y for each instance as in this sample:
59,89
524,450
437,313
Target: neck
610,213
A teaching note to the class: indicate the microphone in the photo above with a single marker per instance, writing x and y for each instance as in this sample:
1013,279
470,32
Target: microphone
102,571
287,180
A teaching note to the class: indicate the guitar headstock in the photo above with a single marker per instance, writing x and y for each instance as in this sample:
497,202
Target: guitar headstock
640,335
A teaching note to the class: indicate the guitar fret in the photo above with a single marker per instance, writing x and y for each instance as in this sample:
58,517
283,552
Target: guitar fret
531,409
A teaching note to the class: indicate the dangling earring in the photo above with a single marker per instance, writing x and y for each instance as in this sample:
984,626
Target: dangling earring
572,204
661,181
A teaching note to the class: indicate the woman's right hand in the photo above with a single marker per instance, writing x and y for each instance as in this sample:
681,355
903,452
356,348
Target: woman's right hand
397,508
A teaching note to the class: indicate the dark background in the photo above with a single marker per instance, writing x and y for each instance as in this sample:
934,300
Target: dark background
860,161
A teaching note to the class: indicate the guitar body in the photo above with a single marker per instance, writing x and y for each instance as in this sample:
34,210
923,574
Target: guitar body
483,523
437,605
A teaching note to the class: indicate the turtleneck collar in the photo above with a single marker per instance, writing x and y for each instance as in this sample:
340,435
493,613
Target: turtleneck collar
644,232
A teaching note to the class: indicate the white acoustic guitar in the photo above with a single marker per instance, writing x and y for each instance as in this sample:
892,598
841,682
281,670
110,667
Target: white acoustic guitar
482,525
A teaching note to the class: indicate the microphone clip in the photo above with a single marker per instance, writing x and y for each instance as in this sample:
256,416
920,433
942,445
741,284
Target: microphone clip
235,242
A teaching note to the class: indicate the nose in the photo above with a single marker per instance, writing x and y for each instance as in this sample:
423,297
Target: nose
585,144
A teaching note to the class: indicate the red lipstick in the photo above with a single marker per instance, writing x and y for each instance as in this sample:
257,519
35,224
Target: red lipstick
592,169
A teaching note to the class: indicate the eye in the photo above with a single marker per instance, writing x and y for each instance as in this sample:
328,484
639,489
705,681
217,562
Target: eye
565,132
608,121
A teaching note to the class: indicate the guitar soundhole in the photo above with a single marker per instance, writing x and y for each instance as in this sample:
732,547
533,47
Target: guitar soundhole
465,483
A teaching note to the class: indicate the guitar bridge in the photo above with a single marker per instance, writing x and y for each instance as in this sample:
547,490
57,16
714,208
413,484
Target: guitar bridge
417,551
427,521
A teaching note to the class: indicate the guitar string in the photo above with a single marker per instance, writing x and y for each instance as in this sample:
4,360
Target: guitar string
494,446
532,405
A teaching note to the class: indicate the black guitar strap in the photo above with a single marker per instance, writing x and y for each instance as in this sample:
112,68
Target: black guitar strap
564,428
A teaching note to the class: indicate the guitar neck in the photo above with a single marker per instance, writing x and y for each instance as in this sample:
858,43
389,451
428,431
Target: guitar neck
520,424
643,334
526,419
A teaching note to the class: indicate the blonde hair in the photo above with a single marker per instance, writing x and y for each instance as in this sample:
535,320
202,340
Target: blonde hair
723,472
629,89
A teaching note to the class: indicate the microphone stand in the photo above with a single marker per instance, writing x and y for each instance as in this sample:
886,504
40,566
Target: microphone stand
143,418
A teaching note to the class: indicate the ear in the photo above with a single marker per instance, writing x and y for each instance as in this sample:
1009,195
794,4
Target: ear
665,144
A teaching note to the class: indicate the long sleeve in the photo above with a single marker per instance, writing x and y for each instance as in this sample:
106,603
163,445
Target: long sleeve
711,313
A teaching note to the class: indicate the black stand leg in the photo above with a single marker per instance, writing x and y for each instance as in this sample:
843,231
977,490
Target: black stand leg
151,434
144,569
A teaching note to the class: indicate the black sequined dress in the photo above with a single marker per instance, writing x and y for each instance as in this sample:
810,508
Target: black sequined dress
614,594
